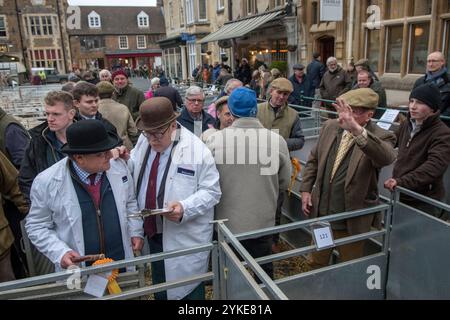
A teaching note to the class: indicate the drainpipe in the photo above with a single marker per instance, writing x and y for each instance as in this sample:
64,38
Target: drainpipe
22,44
60,27
351,25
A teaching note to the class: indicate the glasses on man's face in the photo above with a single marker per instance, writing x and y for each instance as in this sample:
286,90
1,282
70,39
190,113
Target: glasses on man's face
433,61
155,134
199,101
359,111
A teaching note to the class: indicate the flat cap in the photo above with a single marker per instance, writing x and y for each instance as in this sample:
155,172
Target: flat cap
298,66
362,62
105,87
282,84
221,101
364,98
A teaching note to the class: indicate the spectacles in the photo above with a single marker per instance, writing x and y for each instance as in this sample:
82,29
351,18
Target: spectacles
155,134
195,100
359,111
433,61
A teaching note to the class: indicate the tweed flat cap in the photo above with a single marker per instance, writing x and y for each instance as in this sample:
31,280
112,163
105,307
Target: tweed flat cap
105,87
282,84
365,98
362,62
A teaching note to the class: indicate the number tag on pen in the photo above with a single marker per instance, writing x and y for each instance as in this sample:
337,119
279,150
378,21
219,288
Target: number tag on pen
323,236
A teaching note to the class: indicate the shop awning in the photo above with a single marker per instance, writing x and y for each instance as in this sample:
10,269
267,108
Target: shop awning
240,28
133,53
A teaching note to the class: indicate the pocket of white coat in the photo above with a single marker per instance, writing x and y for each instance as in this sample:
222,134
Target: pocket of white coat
184,183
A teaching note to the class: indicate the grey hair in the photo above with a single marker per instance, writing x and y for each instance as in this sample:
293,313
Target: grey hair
194,91
104,71
155,80
230,83
331,59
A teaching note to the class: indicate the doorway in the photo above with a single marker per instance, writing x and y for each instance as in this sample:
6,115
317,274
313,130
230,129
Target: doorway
326,48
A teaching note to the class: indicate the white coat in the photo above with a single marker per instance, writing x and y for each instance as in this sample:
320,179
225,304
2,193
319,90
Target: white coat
54,223
198,195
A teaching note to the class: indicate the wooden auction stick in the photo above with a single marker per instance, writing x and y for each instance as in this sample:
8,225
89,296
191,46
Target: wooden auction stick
88,258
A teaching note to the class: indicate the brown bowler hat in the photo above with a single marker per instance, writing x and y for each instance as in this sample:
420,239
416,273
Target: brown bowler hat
155,113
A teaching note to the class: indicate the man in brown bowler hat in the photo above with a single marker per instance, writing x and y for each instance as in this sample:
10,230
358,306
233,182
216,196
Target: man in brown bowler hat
173,169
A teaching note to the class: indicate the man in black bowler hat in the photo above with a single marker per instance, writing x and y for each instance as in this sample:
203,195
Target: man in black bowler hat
79,206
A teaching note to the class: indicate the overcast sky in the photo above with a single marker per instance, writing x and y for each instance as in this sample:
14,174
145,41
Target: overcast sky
129,3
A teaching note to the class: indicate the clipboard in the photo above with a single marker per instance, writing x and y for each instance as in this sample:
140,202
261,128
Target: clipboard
148,212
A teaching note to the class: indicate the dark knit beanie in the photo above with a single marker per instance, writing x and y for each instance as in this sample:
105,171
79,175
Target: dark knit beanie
429,94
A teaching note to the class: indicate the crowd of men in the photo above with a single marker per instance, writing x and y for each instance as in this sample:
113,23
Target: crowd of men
106,151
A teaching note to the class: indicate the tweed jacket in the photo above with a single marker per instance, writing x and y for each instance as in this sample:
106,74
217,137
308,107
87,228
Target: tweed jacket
361,182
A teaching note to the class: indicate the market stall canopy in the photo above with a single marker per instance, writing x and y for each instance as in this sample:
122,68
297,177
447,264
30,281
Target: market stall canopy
240,28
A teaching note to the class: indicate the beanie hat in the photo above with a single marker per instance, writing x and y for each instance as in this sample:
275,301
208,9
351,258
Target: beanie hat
119,72
242,103
429,94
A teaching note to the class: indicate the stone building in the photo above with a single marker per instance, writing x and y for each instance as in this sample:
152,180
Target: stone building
203,32
187,22
113,37
34,33
263,31
396,36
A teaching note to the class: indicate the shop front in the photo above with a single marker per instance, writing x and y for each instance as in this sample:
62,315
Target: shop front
133,59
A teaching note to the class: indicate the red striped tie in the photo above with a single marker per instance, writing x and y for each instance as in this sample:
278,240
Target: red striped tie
150,198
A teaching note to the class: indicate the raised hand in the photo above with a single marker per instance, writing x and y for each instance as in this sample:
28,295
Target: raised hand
346,119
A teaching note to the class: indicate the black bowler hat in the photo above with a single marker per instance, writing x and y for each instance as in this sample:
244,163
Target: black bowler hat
89,136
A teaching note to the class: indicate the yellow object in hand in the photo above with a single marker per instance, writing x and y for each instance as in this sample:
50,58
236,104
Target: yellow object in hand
297,169
113,286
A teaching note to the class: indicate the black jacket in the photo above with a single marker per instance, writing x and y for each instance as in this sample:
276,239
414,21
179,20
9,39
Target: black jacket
186,120
443,83
315,72
40,154
170,93
244,73
108,125
301,89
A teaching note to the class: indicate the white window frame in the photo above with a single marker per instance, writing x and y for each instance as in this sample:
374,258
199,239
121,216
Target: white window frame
280,3
192,53
182,14
410,40
446,40
189,9
171,12
206,10
40,24
143,20
220,4
94,20
145,42
120,42
250,7
5,26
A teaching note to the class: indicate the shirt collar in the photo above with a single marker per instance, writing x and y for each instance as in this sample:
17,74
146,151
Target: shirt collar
87,118
84,175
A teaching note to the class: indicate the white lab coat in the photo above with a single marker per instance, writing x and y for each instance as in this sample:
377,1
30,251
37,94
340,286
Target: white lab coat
54,223
198,195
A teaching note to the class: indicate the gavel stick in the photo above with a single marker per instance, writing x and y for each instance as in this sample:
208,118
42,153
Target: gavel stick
89,258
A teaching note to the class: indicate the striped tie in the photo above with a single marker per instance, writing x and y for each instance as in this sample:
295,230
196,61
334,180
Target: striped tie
344,146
